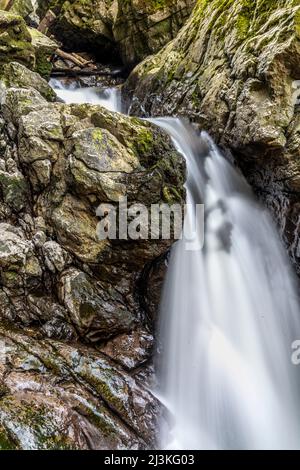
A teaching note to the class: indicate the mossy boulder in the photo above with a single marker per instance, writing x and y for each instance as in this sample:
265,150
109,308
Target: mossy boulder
76,158
85,24
24,45
15,40
17,75
143,27
44,48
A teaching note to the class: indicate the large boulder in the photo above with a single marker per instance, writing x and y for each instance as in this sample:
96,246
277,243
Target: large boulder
15,40
24,45
76,328
25,8
234,70
75,158
131,29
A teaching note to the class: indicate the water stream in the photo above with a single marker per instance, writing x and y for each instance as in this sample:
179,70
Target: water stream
229,312
71,93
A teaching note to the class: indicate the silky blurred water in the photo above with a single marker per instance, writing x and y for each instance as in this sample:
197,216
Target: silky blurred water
228,318
229,312
109,98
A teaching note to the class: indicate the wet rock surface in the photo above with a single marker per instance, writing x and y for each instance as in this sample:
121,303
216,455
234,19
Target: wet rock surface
234,70
73,330
60,396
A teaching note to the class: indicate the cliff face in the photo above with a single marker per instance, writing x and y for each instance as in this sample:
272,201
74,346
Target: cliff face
112,29
75,332
234,69
143,27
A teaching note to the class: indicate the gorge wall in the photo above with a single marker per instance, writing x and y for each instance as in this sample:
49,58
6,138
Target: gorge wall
234,70
112,29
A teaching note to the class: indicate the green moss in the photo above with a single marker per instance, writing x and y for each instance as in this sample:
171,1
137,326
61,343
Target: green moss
171,195
250,15
6,443
14,190
143,142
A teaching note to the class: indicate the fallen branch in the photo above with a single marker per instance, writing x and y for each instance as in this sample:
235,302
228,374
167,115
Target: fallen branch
71,57
84,62
84,73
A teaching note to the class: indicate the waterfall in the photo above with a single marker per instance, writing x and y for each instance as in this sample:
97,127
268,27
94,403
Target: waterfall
229,316
109,98
229,312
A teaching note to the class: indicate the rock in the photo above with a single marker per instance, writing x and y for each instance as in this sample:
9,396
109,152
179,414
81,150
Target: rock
130,351
14,189
15,40
16,75
56,258
44,48
75,326
94,313
54,396
233,70
151,284
24,45
143,27
86,25
23,7
132,29
19,266
77,157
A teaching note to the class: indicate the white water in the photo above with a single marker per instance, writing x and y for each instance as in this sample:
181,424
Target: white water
109,98
228,318
229,314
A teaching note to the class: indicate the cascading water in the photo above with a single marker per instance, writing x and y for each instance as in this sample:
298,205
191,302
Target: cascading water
229,316
109,98
229,312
